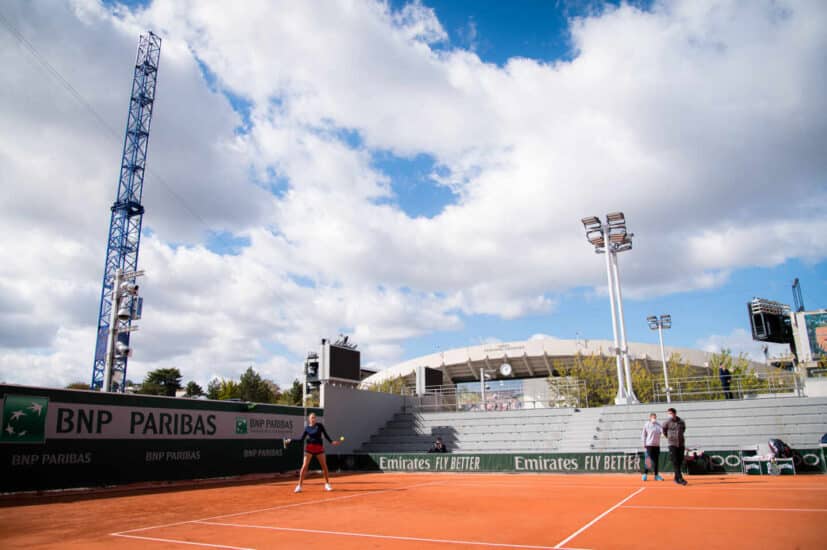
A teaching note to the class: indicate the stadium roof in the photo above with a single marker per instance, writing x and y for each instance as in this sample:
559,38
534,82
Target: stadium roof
533,358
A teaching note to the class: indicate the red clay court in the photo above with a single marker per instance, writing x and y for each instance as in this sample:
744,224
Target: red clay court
407,511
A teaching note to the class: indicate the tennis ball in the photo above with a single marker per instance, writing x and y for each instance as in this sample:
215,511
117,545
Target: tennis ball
342,438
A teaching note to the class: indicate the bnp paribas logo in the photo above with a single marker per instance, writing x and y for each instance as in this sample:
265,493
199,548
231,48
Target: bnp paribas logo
24,419
240,425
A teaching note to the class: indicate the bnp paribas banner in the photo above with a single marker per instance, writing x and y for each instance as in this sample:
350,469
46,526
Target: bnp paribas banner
32,419
59,438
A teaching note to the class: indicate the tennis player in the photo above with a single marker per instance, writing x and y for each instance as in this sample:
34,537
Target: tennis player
313,433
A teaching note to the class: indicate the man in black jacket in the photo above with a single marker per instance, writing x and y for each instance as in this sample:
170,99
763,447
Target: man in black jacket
726,378
673,430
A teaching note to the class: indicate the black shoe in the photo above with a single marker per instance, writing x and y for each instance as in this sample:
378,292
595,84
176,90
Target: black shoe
682,481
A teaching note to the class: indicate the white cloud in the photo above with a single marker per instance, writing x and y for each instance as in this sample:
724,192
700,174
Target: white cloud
703,121
740,341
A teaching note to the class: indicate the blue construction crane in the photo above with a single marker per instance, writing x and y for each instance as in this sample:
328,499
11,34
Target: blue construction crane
127,213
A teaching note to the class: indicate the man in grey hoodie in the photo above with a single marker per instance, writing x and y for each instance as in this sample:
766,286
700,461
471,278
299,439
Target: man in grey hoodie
651,445
673,429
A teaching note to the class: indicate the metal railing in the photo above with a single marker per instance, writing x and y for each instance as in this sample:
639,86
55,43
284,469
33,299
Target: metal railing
708,388
559,394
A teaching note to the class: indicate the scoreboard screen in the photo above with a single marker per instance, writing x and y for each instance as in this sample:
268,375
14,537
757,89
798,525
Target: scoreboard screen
769,321
345,363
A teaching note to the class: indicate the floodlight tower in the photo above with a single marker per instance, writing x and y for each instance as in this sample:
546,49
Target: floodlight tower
660,324
610,238
126,219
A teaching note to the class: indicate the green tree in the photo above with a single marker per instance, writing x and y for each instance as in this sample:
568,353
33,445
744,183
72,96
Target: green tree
214,388
274,389
161,382
252,388
78,386
598,372
390,385
643,381
293,396
193,389
688,384
229,389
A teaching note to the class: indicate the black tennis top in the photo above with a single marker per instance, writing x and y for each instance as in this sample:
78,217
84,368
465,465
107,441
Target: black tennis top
314,434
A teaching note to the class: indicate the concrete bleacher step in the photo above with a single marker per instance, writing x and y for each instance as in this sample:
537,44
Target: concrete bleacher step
535,421
511,436
580,431
521,414
491,431
711,424
807,422
713,431
766,406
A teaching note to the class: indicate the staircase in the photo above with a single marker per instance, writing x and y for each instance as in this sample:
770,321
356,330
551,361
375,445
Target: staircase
532,430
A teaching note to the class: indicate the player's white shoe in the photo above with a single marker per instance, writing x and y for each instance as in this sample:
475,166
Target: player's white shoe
327,487
298,489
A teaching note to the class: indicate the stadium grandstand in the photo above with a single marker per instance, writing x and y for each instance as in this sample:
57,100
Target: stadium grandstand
476,406
534,358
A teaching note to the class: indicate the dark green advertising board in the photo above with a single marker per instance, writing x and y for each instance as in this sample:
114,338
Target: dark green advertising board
718,462
53,439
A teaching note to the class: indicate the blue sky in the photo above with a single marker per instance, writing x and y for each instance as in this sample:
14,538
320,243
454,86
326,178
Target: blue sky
498,31
695,315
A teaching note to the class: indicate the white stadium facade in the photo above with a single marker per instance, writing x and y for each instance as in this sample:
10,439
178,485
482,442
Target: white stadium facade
533,358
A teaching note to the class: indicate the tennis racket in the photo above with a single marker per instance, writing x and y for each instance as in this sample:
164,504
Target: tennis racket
650,465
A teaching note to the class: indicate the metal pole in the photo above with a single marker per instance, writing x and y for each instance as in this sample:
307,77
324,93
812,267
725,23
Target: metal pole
663,360
304,392
630,392
113,332
620,399
482,388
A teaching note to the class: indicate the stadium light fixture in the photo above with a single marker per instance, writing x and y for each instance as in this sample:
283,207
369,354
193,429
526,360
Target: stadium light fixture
122,350
124,295
124,313
660,324
611,238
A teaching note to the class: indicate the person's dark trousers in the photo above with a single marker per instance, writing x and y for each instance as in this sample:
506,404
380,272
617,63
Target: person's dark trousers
727,392
654,454
676,454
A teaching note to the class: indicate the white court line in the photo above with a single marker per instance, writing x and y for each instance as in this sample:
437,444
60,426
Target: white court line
280,507
663,486
598,518
389,537
174,541
727,508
